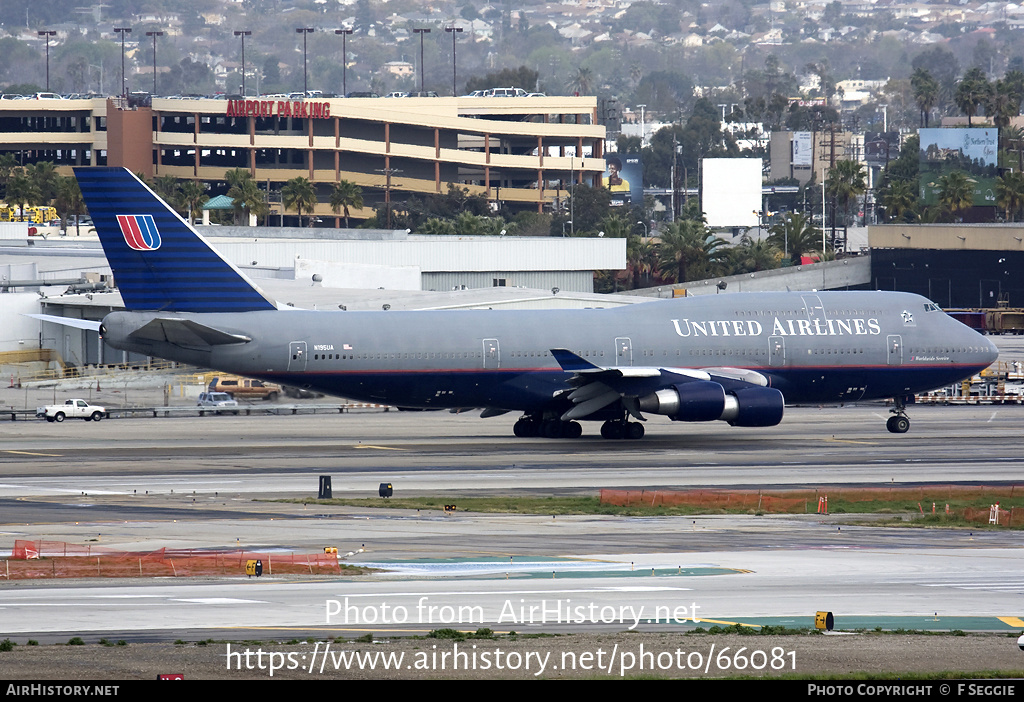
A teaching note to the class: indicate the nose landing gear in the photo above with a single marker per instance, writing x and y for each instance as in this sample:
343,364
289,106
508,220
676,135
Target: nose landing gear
899,423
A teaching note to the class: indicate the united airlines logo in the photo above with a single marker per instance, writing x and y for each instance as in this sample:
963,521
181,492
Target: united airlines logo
140,232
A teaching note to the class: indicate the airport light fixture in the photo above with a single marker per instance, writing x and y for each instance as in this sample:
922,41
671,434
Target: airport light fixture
453,30
47,33
344,59
124,83
421,31
304,31
154,35
243,33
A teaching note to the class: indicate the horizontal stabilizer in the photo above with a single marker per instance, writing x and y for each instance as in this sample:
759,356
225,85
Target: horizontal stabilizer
571,362
67,321
184,332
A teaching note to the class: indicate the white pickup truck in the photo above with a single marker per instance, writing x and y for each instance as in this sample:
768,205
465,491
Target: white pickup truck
77,409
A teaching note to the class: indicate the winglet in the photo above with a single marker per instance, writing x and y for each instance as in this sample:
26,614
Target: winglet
571,362
159,261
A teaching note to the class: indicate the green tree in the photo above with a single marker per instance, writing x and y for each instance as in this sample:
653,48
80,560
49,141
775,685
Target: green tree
846,181
755,255
926,92
69,201
344,195
8,167
1010,194
21,191
899,198
247,198
972,92
956,192
192,197
44,177
688,251
298,194
582,81
795,235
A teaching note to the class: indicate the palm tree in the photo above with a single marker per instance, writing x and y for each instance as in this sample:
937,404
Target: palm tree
1010,194
755,255
299,194
899,198
956,192
192,197
8,165
688,250
247,198
21,191
641,259
972,92
795,235
44,176
69,201
582,81
167,187
845,182
926,92
346,194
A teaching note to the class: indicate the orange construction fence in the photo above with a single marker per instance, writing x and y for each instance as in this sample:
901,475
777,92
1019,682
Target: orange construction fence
57,559
816,500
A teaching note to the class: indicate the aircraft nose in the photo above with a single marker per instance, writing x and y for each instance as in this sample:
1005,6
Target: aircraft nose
992,352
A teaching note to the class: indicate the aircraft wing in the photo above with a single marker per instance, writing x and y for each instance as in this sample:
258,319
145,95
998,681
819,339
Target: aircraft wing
185,332
67,321
596,387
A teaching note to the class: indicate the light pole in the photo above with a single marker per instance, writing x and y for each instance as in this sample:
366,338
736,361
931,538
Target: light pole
154,35
421,31
647,232
47,33
124,84
344,60
454,30
243,33
304,31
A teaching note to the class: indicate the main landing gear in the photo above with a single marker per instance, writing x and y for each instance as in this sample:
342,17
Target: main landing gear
554,428
899,423
530,426
622,429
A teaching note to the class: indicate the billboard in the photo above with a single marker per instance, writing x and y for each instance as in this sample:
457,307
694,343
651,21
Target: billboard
731,191
881,147
803,149
972,151
624,177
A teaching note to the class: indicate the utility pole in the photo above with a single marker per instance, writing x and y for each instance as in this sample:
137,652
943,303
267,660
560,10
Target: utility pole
47,33
124,84
155,35
344,60
421,31
243,33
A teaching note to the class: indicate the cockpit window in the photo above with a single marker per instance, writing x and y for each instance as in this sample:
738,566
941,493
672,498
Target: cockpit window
931,307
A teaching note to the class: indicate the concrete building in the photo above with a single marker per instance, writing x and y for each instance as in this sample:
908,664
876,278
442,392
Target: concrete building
523,153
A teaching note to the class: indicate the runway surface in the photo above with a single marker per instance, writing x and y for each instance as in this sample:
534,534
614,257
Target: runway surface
143,484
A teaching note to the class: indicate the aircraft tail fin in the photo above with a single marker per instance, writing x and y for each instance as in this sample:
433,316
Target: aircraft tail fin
159,261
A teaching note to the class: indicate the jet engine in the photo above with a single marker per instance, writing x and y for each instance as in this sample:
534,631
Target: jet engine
705,401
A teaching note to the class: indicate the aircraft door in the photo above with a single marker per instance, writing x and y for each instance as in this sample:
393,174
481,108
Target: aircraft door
776,351
894,342
297,356
623,351
492,354
815,310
